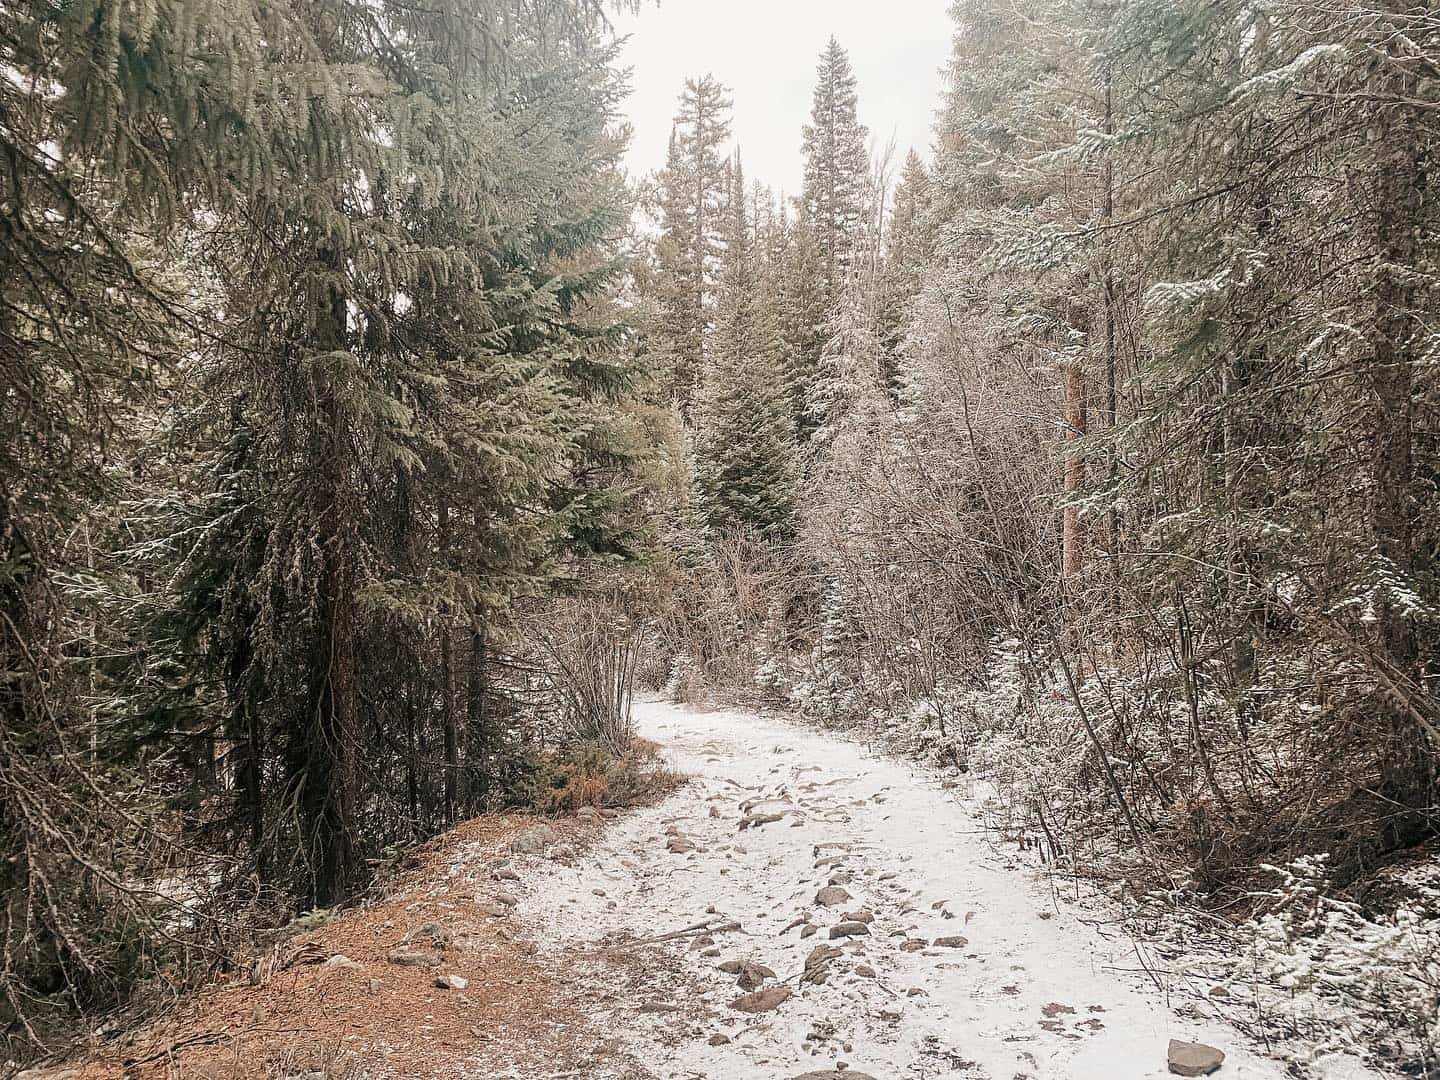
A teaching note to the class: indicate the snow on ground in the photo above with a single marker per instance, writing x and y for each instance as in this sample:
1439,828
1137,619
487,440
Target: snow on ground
1034,988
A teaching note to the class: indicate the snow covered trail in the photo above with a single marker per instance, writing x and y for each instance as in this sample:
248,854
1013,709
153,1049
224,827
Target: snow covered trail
968,968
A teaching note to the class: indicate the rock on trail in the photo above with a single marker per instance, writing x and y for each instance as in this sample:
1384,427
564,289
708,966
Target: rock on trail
784,829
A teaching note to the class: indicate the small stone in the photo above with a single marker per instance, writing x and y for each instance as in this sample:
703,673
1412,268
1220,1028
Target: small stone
820,956
731,967
860,916
913,945
494,910
849,929
414,957
832,896
718,1039
955,942
533,841
679,845
340,960
772,997
375,986
835,1074
808,929
437,935
451,982
754,821
865,971
754,976
507,899
504,873
1194,1059
562,852
817,964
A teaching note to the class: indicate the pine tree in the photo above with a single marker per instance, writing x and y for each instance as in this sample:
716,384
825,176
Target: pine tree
379,403
837,168
805,316
745,458
909,247
833,204
692,205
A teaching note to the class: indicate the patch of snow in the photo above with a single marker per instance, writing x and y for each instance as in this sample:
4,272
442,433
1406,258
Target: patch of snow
1040,987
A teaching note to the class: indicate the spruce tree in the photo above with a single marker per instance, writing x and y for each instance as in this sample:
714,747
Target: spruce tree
832,204
745,458
805,314
908,249
378,405
837,168
692,202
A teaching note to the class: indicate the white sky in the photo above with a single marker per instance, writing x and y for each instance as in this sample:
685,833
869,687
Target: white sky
765,51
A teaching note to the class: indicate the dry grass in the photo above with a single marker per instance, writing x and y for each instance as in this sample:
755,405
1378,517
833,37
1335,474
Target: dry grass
312,1020
587,775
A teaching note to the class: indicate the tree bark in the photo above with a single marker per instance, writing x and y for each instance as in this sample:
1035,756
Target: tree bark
449,726
330,779
1076,426
476,720
1407,763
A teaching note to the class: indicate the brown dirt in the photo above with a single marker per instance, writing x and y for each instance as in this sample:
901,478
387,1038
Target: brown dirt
308,1018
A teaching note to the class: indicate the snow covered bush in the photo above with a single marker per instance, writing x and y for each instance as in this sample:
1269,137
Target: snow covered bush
1325,957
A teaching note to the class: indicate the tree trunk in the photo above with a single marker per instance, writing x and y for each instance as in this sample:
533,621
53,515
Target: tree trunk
330,780
449,724
1076,425
476,721
1407,763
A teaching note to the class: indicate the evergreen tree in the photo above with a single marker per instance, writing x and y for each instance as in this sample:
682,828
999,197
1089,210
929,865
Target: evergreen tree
745,463
805,315
377,403
692,205
909,247
837,169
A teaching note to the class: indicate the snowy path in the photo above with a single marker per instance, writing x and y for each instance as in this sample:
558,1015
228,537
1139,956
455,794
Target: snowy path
1020,989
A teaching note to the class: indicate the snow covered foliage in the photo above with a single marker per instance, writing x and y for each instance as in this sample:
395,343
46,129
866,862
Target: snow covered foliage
1117,476
1323,957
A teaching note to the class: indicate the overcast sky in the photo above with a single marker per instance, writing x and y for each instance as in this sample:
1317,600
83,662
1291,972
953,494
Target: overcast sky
766,51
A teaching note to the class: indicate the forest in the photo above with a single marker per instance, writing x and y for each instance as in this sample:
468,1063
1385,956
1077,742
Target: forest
369,438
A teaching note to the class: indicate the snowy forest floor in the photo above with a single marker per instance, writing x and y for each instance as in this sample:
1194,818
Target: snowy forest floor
595,949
